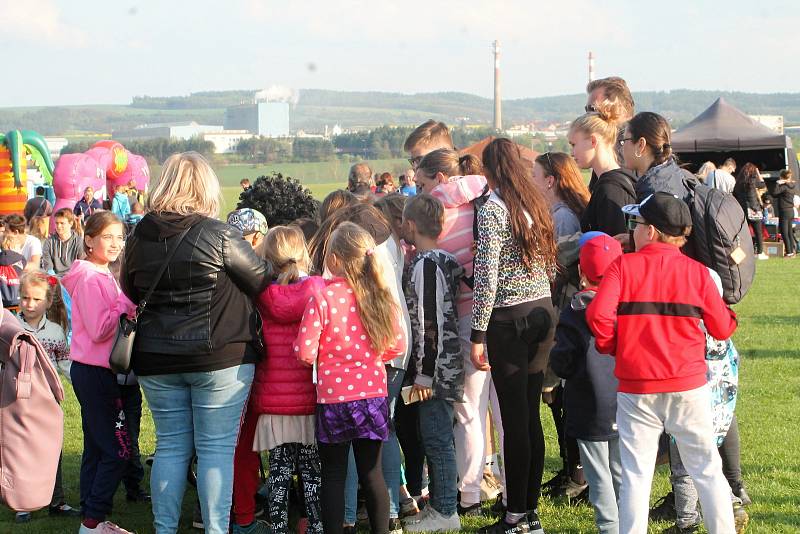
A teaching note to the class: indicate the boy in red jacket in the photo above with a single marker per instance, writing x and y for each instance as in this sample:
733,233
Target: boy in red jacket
648,313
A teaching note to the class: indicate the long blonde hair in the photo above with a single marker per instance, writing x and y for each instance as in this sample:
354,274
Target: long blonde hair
187,185
351,251
40,227
285,248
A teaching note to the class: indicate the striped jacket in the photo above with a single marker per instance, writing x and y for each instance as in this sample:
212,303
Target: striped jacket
647,314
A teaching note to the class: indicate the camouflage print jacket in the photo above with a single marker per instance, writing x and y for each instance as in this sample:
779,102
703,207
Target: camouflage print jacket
431,289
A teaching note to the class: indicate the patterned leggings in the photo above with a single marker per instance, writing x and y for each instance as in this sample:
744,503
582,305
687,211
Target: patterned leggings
284,460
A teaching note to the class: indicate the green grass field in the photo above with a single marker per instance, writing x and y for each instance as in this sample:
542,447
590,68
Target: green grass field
769,342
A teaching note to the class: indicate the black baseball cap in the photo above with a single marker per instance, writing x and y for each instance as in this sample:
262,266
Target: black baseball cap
668,213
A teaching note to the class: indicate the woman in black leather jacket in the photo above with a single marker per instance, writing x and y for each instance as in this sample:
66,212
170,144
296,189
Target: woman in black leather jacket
198,338
748,181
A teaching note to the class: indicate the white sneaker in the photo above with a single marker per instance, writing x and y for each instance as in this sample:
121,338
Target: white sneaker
435,522
106,527
763,256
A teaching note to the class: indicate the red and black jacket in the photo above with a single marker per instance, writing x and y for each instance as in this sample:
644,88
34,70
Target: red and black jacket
647,314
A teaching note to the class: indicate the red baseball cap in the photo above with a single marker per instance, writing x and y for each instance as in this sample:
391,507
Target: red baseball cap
596,255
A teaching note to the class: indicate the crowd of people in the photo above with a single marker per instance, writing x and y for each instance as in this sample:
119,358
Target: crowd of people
374,348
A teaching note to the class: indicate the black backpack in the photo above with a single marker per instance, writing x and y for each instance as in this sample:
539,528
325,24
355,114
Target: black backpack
477,204
721,240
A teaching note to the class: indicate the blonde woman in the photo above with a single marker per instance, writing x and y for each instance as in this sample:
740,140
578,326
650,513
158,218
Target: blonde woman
197,341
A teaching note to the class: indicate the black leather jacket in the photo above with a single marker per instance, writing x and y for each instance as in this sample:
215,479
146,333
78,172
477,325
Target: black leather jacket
200,316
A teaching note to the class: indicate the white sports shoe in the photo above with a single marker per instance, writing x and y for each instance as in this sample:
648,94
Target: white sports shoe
106,527
763,256
435,522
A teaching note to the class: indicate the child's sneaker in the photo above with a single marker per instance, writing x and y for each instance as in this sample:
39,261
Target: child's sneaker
256,527
395,526
106,527
434,522
501,527
534,524
63,510
22,517
408,507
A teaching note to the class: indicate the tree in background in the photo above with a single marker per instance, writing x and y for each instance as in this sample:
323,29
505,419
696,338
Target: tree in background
154,150
311,149
281,199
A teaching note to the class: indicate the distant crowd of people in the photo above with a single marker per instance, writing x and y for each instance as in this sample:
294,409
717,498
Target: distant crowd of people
375,347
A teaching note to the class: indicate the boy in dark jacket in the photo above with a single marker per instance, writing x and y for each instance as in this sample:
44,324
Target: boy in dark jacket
647,314
591,388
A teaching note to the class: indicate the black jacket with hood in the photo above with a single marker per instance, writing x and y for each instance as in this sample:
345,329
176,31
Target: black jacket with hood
610,192
784,197
590,390
201,315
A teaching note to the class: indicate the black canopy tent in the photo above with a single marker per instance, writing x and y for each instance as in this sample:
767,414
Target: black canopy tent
723,131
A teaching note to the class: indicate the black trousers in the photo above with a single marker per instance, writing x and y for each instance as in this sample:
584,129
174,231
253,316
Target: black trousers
106,441
370,474
785,227
132,405
407,427
567,446
758,236
513,346
730,453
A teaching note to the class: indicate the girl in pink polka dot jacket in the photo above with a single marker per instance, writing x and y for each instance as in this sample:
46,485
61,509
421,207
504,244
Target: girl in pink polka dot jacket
350,329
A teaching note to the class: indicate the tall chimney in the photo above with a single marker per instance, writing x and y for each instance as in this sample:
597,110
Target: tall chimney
591,66
498,121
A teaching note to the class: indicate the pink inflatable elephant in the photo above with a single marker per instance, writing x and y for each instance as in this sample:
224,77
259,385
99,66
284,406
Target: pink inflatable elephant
72,175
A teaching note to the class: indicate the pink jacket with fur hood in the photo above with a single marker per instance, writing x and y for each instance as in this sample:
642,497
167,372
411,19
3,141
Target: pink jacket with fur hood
282,385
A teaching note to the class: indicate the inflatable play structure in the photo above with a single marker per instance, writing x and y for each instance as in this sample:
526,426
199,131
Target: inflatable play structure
103,167
15,148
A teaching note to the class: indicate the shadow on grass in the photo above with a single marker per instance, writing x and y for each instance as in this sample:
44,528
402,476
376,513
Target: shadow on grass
757,354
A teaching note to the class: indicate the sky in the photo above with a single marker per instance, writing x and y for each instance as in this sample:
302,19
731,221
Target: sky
59,52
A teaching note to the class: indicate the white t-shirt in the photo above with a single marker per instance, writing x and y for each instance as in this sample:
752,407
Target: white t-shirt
32,247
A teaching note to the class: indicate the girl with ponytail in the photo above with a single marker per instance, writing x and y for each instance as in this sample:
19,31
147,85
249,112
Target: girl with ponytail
280,415
349,329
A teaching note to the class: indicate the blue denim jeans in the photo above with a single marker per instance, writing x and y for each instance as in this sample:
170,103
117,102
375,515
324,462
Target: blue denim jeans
603,472
195,413
436,428
391,459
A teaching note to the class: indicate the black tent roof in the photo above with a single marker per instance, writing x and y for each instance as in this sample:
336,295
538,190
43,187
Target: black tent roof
724,128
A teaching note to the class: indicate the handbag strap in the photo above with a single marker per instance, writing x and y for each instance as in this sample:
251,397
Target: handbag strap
160,273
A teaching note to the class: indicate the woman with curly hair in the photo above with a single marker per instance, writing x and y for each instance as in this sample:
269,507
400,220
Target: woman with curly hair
748,182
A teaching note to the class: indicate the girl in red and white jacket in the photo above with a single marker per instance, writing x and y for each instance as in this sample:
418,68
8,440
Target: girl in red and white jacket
280,415
348,331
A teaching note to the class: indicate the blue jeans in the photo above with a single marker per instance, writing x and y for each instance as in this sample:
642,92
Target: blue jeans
436,428
195,412
390,461
603,472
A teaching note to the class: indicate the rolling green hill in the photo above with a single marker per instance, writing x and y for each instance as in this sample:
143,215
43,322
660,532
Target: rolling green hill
363,110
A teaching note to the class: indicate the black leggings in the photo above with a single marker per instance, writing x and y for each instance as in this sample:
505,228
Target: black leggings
284,460
785,226
513,348
370,473
731,459
758,236
407,426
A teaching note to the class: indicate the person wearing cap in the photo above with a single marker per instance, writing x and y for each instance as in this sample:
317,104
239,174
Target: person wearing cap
590,387
251,223
647,315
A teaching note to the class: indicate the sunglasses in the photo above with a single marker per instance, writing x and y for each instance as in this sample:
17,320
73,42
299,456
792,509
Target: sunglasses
414,162
622,141
632,223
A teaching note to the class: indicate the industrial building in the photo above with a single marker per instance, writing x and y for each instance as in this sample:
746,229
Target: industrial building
170,130
268,119
226,141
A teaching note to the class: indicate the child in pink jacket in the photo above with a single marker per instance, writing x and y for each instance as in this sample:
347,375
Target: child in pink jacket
97,302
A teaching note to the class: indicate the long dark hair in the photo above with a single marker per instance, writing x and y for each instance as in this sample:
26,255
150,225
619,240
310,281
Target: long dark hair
569,184
510,178
746,178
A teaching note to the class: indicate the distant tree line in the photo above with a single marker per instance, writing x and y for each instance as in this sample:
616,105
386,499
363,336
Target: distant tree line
269,150
154,150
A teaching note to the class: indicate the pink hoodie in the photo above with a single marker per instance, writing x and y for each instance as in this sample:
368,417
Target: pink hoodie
456,237
97,303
